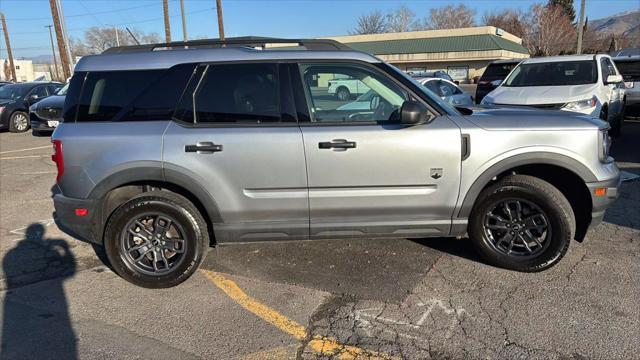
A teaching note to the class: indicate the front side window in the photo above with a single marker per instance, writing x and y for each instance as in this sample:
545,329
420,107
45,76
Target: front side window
553,74
238,93
351,93
39,92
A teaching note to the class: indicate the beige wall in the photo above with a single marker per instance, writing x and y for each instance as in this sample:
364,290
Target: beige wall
24,70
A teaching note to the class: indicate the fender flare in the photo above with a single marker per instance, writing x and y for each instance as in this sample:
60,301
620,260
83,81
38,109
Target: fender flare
156,173
533,158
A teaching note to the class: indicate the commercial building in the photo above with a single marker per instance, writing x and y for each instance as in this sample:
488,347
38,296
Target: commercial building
463,53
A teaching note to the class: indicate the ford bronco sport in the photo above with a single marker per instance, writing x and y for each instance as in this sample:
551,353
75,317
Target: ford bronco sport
167,149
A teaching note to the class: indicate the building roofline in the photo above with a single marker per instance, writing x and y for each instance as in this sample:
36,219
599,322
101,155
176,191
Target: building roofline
424,34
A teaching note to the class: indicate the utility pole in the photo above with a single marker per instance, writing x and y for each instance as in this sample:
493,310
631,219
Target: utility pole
220,22
62,47
167,25
8,43
580,28
53,52
184,22
65,35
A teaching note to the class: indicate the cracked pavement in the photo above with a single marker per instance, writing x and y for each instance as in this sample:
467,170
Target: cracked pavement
413,299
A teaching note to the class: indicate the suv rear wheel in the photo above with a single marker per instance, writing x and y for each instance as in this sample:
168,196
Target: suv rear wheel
156,240
522,223
343,93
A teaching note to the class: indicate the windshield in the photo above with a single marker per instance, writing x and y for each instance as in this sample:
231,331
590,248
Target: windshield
443,104
553,74
498,71
63,90
13,91
630,70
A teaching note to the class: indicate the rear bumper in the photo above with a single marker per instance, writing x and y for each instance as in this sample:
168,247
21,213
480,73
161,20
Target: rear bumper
81,227
39,124
601,203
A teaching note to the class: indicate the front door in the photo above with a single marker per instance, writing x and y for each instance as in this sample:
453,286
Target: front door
368,174
238,139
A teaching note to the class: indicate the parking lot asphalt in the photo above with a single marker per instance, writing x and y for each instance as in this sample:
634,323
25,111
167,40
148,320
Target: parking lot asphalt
407,298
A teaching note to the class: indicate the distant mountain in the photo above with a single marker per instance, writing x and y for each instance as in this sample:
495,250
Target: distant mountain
626,24
40,59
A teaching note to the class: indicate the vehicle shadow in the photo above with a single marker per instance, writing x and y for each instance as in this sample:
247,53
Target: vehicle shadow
33,331
376,269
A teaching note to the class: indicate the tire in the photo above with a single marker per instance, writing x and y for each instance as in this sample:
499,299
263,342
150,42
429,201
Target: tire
19,122
343,93
535,196
178,218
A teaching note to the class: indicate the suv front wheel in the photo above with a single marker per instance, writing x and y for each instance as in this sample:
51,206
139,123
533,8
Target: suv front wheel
522,223
156,240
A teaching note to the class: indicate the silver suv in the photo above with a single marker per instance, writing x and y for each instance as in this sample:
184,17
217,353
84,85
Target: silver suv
167,149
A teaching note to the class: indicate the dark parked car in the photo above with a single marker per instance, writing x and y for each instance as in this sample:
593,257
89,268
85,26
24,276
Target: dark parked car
629,67
46,114
493,76
3,83
15,100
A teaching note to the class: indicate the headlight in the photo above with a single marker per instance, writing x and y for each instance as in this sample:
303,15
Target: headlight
581,104
604,143
1,109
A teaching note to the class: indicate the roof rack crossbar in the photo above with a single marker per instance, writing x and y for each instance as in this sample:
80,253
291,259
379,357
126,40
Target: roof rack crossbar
248,41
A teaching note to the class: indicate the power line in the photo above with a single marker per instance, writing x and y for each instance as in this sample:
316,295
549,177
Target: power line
85,14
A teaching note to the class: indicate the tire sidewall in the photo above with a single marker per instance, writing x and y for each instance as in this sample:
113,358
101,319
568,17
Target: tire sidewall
343,94
194,237
560,229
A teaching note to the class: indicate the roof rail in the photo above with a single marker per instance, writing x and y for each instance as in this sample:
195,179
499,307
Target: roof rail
245,41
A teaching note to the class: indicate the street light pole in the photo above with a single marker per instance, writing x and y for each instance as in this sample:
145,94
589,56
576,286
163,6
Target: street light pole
53,52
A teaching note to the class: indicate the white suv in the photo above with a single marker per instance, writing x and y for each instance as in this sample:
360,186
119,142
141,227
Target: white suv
588,84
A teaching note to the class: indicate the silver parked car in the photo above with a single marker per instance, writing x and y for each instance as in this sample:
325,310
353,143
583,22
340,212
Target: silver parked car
156,161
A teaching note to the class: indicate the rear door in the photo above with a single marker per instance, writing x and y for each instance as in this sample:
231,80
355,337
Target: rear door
368,174
237,137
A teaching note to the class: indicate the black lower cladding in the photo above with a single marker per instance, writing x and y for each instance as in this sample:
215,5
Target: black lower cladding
82,227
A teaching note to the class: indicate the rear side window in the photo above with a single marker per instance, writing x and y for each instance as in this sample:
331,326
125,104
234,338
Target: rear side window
238,93
106,93
630,69
498,71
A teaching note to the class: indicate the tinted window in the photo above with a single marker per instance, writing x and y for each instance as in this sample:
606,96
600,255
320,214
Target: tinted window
433,86
246,93
630,70
159,99
380,101
498,71
106,93
39,92
553,74
14,91
448,89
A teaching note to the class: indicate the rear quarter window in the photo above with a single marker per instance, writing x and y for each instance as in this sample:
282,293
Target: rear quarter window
126,95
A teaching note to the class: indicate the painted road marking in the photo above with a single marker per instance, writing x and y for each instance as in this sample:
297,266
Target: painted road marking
30,173
22,231
29,149
319,344
24,157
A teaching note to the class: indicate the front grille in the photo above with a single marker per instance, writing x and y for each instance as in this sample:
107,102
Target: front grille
49,113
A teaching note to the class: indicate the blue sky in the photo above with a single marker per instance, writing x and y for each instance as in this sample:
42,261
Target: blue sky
282,18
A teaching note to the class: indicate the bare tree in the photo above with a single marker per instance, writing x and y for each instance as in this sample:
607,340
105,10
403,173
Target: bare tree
551,31
450,17
97,39
513,21
401,19
373,23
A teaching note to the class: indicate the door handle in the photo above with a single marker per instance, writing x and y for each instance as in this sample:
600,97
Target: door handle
203,147
340,144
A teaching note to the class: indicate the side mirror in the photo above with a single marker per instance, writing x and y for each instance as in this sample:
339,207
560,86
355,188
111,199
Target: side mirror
614,79
413,113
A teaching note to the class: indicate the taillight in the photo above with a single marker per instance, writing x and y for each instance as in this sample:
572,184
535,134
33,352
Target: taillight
58,158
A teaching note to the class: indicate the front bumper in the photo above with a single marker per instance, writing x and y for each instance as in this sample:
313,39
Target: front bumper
82,227
600,203
39,124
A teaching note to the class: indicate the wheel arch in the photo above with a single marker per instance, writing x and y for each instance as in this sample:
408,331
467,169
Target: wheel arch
119,187
563,172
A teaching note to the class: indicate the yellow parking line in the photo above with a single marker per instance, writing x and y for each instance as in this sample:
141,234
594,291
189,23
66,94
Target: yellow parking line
34,148
319,344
